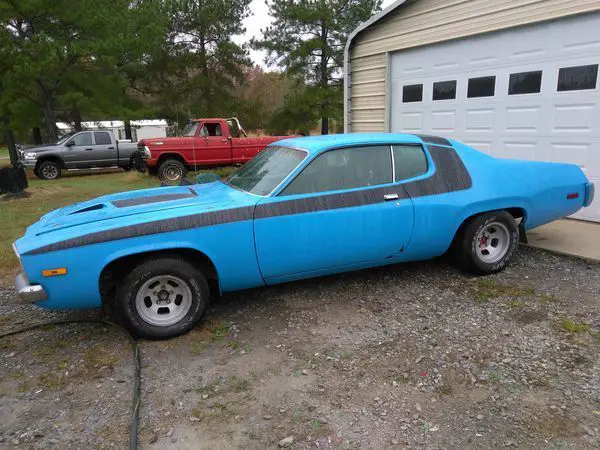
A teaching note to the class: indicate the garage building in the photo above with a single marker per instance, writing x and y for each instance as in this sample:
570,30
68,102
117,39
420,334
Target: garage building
512,78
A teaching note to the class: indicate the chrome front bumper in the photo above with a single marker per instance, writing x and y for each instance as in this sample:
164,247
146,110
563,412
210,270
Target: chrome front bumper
29,293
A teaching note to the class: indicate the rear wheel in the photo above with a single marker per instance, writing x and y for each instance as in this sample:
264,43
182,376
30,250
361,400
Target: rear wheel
488,243
171,171
162,298
48,170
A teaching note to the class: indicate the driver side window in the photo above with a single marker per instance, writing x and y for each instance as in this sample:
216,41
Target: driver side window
82,139
213,129
346,168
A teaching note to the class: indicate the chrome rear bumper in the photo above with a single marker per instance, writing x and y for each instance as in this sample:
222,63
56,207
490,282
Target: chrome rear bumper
29,293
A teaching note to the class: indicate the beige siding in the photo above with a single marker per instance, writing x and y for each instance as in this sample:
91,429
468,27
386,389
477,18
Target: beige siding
421,22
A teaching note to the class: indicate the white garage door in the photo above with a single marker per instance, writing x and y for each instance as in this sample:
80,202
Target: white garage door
526,93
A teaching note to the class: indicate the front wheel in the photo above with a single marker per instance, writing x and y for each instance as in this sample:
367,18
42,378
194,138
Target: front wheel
171,171
48,170
162,298
488,243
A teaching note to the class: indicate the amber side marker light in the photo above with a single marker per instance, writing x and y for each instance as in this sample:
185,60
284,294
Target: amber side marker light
572,196
54,272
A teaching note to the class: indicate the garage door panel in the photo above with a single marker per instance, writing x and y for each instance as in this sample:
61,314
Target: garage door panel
570,153
443,122
412,121
485,147
480,120
571,118
523,119
520,150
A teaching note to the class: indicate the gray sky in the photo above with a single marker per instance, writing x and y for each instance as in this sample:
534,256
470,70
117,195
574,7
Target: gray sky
260,19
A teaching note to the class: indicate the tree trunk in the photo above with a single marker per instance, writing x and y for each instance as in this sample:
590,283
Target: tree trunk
324,125
324,80
128,130
9,140
77,115
49,113
37,135
50,121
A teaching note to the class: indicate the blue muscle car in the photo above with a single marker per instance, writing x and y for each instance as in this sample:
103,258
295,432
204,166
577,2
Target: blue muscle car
303,207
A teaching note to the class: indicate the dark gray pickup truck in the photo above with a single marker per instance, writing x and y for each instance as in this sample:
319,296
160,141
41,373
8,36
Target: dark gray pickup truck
83,150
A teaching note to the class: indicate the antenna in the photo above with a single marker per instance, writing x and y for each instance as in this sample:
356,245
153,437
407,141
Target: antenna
194,151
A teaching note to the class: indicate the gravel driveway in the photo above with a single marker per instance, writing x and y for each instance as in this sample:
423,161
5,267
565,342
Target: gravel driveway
415,355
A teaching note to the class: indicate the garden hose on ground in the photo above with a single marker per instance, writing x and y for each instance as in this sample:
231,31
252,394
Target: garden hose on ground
135,408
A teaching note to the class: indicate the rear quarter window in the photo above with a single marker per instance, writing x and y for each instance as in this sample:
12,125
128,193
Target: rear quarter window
409,161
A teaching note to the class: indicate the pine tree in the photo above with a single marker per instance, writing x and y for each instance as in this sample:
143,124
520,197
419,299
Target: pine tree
307,40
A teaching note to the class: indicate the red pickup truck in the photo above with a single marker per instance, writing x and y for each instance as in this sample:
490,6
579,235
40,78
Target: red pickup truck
203,143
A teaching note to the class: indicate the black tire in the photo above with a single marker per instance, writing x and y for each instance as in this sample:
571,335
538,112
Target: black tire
495,233
127,168
48,170
172,171
131,310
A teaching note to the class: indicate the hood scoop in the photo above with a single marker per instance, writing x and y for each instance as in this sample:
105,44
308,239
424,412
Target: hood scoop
89,208
146,200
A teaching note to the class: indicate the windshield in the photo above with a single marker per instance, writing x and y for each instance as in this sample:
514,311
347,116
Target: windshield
190,129
65,137
269,168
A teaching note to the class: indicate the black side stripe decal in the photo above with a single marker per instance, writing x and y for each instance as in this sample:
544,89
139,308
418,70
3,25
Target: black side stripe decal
206,219
152,199
325,202
450,175
435,140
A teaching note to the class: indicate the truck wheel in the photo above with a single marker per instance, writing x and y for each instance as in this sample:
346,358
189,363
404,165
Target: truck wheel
171,171
48,170
488,243
162,298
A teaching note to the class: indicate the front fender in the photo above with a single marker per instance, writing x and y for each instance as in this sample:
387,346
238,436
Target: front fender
166,246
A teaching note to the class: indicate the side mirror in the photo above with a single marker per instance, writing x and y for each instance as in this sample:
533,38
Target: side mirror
70,144
205,178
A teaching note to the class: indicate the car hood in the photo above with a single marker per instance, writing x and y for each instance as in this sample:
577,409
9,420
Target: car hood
40,148
131,208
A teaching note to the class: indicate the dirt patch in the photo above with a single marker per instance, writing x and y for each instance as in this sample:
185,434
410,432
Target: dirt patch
414,355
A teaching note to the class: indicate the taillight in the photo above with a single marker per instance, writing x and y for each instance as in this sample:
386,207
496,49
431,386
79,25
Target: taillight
572,195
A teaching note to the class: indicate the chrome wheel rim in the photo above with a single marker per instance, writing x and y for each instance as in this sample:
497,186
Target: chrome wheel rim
173,173
163,300
492,242
50,172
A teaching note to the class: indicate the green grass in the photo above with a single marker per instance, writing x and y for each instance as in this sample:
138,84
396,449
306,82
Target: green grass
574,327
488,289
4,157
17,214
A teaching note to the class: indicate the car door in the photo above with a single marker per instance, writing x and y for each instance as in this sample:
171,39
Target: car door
342,210
218,147
79,151
105,150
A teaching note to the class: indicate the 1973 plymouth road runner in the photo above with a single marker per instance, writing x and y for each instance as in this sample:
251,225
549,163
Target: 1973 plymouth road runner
303,207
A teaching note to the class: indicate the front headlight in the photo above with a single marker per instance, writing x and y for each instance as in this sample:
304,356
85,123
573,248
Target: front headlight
29,155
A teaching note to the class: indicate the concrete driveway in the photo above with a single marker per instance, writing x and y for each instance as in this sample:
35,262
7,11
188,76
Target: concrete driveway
568,237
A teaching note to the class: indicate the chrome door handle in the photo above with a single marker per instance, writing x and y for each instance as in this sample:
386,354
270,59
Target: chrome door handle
388,197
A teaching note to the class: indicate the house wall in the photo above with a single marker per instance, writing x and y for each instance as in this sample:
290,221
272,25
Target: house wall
421,22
